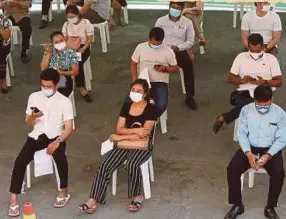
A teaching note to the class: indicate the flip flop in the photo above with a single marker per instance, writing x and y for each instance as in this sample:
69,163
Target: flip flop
61,202
13,211
85,208
135,206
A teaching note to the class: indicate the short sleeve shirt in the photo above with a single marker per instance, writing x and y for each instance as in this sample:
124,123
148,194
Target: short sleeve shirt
4,22
102,7
149,114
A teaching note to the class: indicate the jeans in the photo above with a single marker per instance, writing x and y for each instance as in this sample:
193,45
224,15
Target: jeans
159,93
79,78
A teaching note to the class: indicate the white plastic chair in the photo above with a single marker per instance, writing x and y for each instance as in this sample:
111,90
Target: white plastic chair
16,35
72,99
51,9
241,10
251,172
104,34
125,14
28,172
9,70
235,130
87,74
182,81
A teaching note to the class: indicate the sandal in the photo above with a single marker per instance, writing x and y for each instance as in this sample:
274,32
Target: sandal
85,208
87,98
135,206
13,211
61,202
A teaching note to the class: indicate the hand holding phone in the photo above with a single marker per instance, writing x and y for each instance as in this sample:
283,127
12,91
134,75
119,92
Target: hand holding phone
36,112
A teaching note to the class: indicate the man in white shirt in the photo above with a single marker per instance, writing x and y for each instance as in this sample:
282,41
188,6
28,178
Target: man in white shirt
249,70
265,22
160,60
50,114
180,35
96,11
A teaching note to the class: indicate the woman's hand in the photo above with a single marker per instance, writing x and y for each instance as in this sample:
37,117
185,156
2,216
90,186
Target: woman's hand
142,132
115,138
81,50
47,48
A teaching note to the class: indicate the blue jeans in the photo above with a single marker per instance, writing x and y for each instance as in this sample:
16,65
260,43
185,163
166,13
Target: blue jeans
159,93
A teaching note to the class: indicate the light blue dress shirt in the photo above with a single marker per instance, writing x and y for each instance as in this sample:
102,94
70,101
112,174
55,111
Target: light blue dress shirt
262,130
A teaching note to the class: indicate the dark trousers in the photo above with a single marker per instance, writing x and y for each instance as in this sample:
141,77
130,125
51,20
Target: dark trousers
186,64
27,155
46,4
79,78
4,52
242,99
26,29
159,93
239,164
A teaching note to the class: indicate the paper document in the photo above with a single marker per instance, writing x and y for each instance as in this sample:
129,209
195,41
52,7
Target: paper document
43,163
106,146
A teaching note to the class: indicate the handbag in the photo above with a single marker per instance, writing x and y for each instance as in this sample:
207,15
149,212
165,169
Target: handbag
73,43
134,145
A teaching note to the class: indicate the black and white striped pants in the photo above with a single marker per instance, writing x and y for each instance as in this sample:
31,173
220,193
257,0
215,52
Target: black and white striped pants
116,157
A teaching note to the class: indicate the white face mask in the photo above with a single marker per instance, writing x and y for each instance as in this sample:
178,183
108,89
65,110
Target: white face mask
135,97
47,92
73,20
266,8
256,56
60,46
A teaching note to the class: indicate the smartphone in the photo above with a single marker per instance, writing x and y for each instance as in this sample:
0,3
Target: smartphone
35,109
252,79
157,66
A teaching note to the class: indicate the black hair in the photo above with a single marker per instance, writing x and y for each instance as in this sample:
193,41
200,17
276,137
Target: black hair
157,33
145,86
50,74
72,9
263,93
55,33
255,39
181,3
255,4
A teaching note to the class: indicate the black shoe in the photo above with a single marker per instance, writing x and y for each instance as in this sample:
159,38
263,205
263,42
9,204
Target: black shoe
270,213
234,212
4,91
24,57
43,24
191,102
217,125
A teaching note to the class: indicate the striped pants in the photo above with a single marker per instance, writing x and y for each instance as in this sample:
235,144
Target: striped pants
116,157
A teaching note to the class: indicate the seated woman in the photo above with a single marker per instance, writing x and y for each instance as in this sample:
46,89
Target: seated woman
117,5
137,113
64,60
76,27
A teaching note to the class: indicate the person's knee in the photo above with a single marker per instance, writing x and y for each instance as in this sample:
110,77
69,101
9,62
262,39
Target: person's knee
278,173
26,25
131,165
21,161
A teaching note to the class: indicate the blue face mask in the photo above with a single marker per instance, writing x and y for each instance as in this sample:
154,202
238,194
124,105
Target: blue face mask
262,109
175,13
155,47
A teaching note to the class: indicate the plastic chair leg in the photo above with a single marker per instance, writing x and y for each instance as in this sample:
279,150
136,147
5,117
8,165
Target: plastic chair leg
114,182
151,169
241,11
59,6
242,181
103,39
182,81
146,180
163,123
57,176
8,79
107,33
10,65
234,15
28,175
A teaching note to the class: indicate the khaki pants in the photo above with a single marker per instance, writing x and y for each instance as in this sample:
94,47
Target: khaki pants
197,20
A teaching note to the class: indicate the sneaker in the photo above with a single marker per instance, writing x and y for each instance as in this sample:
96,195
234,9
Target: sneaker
191,103
43,24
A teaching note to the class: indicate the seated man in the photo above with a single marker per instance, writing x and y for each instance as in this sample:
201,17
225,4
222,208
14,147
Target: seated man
119,16
261,135
96,11
18,13
180,35
249,70
48,132
160,61
64,60
265,22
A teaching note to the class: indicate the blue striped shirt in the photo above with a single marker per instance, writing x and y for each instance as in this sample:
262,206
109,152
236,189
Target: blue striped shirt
262,130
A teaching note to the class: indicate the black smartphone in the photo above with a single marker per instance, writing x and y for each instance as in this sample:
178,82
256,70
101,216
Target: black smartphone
252,79
35,109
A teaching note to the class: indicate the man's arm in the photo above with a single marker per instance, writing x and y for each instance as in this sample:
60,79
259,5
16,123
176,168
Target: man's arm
276,35
243,131
133,70
67,131
190,38
275,81
235,79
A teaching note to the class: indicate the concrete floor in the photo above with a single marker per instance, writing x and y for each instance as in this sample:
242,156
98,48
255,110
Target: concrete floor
190,161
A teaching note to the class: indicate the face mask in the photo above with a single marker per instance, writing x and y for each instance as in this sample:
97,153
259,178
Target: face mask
266,8
262,109
155,47
175,13
47,92
73,20
256,56
60,46
135,97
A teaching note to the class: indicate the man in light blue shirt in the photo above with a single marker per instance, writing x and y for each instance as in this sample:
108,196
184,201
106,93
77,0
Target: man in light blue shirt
262,136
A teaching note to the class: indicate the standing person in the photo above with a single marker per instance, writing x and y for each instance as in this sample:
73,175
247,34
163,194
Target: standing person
179,35
96,11
249,70
48,132
5,48
64,60
160,61
76,27
261,136
18,12
135,123
265,22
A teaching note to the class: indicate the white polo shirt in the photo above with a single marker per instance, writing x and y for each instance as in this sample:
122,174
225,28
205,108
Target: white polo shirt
267,67
146,57
262,25
56,110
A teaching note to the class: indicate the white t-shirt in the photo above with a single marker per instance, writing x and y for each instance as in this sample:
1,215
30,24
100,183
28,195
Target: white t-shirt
262,25
56,110
83,29
146,57
267,67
